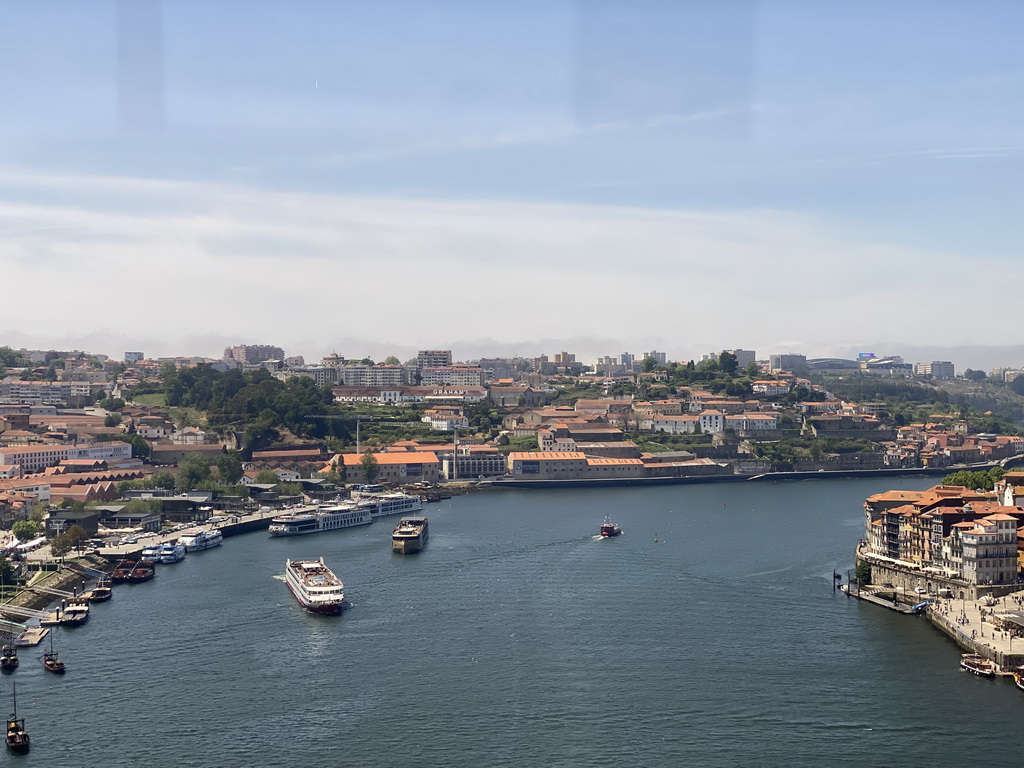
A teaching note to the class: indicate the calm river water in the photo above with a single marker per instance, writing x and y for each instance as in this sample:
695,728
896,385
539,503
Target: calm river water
517,638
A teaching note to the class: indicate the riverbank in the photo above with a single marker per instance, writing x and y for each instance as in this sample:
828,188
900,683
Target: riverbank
703,479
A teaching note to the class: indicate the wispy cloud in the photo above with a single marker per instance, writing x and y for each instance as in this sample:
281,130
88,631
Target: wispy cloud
528,134
312,269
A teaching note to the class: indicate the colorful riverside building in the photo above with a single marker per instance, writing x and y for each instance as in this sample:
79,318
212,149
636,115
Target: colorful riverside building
948,535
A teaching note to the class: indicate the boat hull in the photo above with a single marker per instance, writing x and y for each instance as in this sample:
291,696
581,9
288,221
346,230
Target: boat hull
977,665
17,740
324,609
331,606
408,546
410,535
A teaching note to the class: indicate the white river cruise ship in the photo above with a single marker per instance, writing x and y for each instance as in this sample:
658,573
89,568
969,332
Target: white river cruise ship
317,519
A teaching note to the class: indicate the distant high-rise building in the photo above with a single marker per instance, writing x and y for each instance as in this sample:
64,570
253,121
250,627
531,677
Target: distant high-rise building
744,357
626,359
134,357
253,353
564,358
937,369
660,358
433,358
794,363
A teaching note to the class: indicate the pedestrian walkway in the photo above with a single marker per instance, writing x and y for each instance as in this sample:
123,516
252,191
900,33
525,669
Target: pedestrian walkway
973,624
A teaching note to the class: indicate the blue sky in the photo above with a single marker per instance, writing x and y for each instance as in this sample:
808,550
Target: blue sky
771,175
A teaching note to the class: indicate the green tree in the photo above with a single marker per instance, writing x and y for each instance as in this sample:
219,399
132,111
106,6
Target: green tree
60,545
267,477
972,375
752,370
229,465
727,362
863,573
77,536
25,530
38,514
111,420
193,469
333,476
371,468
392,360
111,404
163,480
6,570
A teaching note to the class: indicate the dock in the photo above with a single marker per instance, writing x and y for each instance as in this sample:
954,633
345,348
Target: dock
875,596
32,636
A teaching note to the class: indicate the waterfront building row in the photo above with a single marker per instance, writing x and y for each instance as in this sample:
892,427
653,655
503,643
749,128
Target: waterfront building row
946,531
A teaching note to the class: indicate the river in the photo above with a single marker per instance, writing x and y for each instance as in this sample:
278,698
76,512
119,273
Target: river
519,638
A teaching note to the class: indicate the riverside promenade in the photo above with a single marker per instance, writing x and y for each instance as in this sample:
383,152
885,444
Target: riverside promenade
970,624
232,525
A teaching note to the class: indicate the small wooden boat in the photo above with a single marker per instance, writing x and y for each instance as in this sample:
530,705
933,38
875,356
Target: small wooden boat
9,659
144,570
17,737
1018,680
50,661
102,592
609,529
978,665
75,613
123,571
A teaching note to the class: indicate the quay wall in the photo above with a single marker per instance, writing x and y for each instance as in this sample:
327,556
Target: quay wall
911,578
832,474
945,624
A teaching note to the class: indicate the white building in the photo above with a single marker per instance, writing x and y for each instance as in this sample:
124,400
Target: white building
712,421
32,458
990,550
685,424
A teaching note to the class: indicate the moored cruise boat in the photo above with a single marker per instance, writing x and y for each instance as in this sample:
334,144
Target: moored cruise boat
197,539
410,535
317,519
978,665
315,586
171,553
381,504
151,552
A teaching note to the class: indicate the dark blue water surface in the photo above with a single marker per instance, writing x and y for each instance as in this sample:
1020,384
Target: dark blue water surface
519,638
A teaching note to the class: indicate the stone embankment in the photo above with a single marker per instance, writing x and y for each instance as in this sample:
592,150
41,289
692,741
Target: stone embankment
63,579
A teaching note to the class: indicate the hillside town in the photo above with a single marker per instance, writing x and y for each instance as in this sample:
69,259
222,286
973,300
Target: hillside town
82,429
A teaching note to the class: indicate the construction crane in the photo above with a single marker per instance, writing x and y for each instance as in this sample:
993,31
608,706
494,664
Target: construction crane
361,419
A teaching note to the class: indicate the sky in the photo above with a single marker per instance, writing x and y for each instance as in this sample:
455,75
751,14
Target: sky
373,178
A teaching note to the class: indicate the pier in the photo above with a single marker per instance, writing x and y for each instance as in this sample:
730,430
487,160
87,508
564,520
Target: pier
876,596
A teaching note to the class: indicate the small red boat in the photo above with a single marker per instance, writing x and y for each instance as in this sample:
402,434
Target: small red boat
609,529
123,571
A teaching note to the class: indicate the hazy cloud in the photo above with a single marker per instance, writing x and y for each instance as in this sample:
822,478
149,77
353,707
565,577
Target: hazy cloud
317,272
